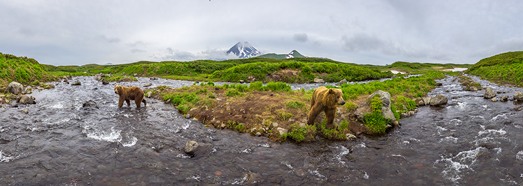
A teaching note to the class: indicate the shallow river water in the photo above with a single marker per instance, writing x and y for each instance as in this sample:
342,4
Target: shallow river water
471,141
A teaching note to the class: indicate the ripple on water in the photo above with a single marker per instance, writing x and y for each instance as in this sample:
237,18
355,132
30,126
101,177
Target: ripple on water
519,156
5,158
455,166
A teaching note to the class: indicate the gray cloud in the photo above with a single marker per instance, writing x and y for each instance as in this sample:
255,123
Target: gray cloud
302,37
376,32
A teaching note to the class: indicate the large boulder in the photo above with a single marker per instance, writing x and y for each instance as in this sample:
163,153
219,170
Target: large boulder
15,88
385,109
438,100
25,99
28,90
518,96
489,93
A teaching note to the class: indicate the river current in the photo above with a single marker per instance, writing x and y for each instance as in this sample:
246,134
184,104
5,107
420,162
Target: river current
470,141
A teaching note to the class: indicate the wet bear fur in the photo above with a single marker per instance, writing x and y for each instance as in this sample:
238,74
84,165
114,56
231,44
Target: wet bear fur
326,100
129,93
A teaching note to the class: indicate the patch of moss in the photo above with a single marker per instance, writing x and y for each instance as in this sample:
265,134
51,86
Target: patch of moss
301,134
337,133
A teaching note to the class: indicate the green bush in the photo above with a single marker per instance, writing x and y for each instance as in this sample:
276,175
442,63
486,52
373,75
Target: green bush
278,87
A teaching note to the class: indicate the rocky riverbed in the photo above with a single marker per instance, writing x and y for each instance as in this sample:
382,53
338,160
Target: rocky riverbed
76,135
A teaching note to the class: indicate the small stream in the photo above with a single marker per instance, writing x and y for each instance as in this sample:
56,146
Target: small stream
471,141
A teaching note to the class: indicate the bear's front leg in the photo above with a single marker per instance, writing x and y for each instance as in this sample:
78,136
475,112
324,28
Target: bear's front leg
315,110
330,113
120,102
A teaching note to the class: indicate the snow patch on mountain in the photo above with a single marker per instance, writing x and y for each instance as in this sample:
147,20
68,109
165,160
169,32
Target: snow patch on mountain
243,50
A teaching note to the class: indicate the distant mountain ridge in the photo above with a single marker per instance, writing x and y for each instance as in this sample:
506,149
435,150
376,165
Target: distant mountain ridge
243,50
292,54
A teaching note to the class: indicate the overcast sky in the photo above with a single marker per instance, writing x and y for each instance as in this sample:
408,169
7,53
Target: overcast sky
65,32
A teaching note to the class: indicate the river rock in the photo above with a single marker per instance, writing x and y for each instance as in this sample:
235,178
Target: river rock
147,85
105,82
90,104
25,111
518,96
15,88
489,93
28,90
25,99
420,102
190,147
385,100
153,78
76,83
494,99
504,98
281,131
438,100
318,80
343,81
251,78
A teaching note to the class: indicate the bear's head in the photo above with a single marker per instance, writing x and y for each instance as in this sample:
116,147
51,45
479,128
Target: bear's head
118,89
335,96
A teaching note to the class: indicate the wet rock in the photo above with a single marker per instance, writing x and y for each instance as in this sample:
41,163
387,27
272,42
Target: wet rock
47,86
28,90
489,93
494,99
99,77
147,85
187,116
518,96
242,81
419,102
438,100
15,88
90,104
504,98
66,81
190,147
76,83
252,178
318,80
439,84
25,111
25,99
105,82
153,78
149,94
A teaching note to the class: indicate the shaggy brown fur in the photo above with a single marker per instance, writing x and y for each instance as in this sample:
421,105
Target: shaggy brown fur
324,99
129,93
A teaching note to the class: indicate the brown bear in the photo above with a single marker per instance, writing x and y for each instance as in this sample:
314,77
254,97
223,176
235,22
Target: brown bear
325,99
129,93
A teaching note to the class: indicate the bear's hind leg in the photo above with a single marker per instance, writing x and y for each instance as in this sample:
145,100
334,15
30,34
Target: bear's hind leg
128,102
315,110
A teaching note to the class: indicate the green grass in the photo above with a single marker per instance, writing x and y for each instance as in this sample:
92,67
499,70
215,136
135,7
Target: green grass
233,70
503,68
374,121
22,69
300,134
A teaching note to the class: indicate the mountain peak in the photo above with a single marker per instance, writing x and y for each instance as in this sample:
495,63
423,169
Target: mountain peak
294,54
243,50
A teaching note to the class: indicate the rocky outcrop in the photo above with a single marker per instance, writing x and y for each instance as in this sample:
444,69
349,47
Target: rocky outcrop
489,93
15,88
438,100
25,99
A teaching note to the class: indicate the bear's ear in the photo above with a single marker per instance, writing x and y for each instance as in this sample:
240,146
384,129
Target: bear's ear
331,91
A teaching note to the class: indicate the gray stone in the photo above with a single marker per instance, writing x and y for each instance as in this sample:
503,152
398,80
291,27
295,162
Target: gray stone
28,90
489,93
76,83
518,96
281,131
438,100
25,99
504,98
190,147
494,99
147,85
318,80
386,102
15,88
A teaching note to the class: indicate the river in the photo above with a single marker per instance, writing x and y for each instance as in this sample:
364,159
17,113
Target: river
470,141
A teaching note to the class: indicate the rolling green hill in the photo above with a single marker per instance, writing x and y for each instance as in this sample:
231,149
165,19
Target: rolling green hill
505,68
21,69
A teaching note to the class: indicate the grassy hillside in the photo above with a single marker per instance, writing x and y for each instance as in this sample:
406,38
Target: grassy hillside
299,70
21,69
420,68
505,68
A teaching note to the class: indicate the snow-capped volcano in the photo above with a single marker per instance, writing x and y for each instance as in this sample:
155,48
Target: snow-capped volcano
243,50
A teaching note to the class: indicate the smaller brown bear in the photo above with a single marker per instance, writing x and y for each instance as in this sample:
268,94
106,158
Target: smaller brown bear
129,93
324,99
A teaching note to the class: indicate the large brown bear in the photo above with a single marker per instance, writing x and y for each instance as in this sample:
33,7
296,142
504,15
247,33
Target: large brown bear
129,93
324,99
